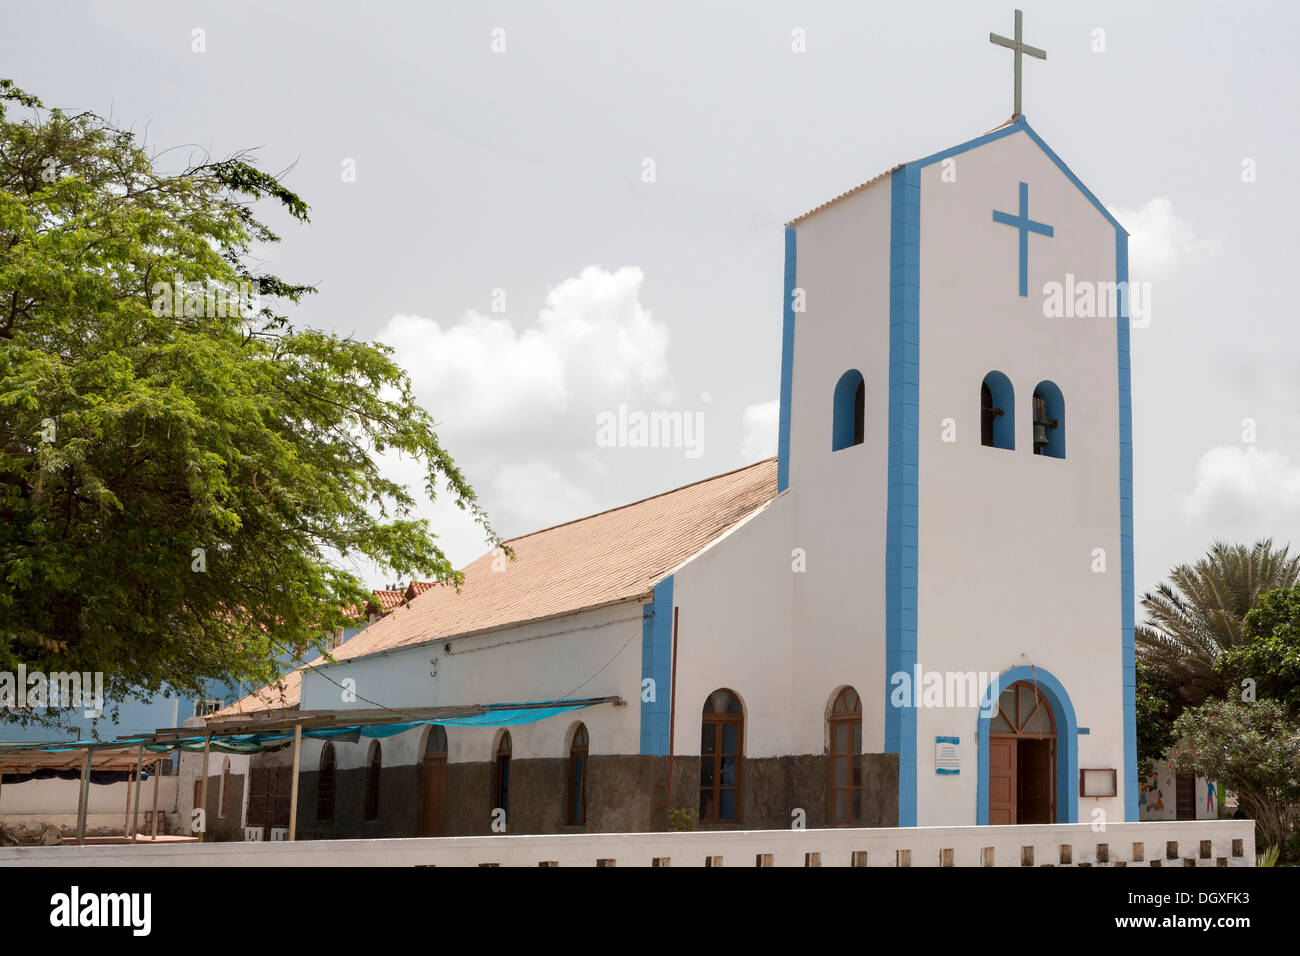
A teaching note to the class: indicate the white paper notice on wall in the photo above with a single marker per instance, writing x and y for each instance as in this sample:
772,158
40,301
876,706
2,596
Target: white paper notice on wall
947,758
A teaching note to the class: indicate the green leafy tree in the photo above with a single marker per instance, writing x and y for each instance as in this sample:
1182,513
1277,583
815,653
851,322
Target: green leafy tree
1157,707
1252,749
1267,660
183,473
1200,612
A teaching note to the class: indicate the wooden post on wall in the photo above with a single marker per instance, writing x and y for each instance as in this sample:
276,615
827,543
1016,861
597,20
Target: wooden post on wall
139,768
672,712
156,764
293,792
203,787
126,823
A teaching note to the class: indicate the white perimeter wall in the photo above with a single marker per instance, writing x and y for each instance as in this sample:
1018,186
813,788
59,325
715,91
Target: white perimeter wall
1202,844
50,797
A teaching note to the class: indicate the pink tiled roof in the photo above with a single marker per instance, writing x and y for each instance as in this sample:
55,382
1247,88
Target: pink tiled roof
387,600
612,556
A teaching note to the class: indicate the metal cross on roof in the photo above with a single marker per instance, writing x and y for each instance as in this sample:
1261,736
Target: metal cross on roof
1019,46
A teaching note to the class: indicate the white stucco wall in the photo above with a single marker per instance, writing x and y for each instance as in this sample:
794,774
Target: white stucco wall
840,497
1158,795
41,798
595,653
735,607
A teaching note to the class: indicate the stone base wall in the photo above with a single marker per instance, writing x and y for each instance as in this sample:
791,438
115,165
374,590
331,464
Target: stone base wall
626,793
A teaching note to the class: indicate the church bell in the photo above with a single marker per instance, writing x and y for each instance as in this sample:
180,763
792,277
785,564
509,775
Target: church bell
1041,424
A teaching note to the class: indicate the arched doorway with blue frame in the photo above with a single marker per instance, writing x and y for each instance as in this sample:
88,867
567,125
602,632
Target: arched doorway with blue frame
1028,715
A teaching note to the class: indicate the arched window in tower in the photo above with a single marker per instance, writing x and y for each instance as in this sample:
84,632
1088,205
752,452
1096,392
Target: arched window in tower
325,785
997,412
849,423
1049,420
503,773
373,767
578,777
721,744
846,757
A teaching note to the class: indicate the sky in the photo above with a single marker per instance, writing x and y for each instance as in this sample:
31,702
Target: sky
554,211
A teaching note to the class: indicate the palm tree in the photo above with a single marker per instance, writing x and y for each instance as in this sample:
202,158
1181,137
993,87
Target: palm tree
1197,614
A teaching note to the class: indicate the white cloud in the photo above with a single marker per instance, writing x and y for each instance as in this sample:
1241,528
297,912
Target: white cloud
1244,489
1160,240
594,345
535,495
516,402
758,424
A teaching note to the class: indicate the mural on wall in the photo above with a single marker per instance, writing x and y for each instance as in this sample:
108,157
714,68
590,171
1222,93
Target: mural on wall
1158,796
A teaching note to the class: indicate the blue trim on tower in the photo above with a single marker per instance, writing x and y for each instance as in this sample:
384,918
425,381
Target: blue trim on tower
657,664
787,365
902,509
1069,174
901,520
1128,651
1067,741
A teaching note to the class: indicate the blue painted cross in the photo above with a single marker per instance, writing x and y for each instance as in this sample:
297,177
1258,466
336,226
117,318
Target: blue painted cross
1026,226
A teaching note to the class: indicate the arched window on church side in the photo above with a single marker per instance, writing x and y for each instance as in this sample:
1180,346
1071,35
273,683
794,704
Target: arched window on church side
849,417
578,776
721,746
374,766
1049,420
997,412
503,773
325,785
846,757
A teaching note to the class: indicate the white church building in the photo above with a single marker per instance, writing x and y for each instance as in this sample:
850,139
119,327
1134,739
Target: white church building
919,614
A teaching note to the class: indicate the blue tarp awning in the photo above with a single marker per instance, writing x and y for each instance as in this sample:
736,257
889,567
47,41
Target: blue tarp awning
490,715
487,715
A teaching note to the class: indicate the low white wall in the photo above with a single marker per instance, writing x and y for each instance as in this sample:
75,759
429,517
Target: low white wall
926,846
50,798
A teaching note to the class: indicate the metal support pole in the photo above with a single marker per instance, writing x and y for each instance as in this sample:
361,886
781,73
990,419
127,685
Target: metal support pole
126,822
85,799
293,794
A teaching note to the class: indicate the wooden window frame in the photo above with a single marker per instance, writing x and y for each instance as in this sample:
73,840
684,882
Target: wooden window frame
577,750
374,775
504,751
326,784
223,805
847,717
718,722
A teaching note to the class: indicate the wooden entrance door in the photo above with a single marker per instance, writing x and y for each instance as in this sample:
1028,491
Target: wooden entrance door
1034,772
1022,758
1002,780
1185,798
433,782
433,799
